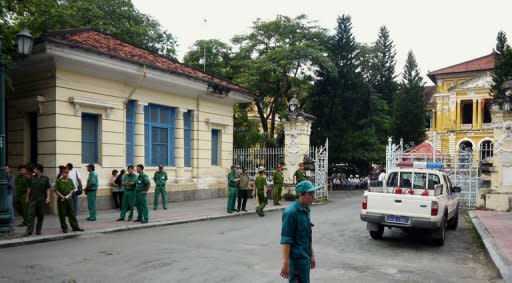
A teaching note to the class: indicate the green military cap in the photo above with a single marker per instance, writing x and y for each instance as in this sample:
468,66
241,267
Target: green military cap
305,187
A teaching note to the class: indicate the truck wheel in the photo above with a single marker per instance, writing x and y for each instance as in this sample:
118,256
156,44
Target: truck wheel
377,235
454,222
439,234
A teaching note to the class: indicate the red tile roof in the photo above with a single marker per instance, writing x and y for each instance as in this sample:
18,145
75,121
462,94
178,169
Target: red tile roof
484,63
109,45
423,150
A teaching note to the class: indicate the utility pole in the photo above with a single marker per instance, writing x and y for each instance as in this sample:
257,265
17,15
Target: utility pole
204,46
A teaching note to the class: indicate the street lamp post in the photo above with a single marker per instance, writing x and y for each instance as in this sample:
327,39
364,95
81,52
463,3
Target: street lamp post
25,43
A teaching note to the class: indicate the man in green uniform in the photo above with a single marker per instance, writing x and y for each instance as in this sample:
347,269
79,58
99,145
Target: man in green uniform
90,190
141,195
300,174
260,191
129,181
64,189
21,184
38,196
160,179
278,180
296,236
233,180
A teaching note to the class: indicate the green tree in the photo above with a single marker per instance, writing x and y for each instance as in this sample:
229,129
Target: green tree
217,55
245,130
410,109
343,102
278,58
502,69
117,17
383,66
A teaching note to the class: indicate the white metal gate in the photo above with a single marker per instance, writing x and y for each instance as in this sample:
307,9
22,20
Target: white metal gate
321,171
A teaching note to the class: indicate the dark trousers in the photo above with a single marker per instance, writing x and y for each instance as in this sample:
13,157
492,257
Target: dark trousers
118,199
36,210
242,198
66,209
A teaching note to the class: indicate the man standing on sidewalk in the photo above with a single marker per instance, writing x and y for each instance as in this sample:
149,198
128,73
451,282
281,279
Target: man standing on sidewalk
160,179
243,190
129,181
278,180
260,191
77,182
300,174
21,184
141,195
233,180
90,191
296,236
64,189
38,197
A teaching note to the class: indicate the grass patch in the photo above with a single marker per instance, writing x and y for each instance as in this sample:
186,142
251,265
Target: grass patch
474,233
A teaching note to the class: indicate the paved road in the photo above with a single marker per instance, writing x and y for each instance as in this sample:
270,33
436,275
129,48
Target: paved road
246,249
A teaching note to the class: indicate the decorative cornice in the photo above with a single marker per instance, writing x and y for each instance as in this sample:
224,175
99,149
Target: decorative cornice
80,102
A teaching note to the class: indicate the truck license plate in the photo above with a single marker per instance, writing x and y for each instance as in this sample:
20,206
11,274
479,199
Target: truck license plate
397,219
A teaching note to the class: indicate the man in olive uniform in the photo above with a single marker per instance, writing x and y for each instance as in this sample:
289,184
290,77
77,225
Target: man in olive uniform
233,180
38,196
260,191
160,179
278,180
90,190
296,236
21,184
64,188
141,195
300,174
129,181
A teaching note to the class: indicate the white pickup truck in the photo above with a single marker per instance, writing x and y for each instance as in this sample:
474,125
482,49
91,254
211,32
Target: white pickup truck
412,199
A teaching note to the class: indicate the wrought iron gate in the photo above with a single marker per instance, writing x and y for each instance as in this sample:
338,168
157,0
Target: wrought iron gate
321,171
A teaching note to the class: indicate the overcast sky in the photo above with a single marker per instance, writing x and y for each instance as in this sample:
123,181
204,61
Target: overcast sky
440,32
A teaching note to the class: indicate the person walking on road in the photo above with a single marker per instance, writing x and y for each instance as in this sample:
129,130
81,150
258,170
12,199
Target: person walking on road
129,181
233,180
160,179
64,190
296,236
243,190
278,180
38,197
90,190
77,182
260,191
21,184
141,195
300,174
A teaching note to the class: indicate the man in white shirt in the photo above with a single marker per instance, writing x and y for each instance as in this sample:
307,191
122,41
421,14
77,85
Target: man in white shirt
382,175
76,179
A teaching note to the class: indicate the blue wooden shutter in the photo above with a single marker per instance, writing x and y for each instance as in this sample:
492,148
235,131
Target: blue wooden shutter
215,147
160,134
188,138
90,135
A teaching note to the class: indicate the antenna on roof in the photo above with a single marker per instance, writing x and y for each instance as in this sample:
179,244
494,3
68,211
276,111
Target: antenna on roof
204,47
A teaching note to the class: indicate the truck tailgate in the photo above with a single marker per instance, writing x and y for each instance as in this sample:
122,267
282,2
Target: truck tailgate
400,205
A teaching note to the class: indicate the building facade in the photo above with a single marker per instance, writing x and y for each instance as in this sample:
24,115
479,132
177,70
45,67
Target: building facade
459,111
88,97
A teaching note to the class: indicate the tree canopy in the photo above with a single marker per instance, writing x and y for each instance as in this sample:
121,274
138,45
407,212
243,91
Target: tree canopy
502,70
117,17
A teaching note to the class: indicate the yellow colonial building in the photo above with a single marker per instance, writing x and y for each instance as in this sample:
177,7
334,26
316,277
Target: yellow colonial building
460,109
87,97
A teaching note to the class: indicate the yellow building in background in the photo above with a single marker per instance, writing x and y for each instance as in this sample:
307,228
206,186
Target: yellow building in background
460,109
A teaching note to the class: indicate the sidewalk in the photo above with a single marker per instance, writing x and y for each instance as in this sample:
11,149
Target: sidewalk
495,229
176,213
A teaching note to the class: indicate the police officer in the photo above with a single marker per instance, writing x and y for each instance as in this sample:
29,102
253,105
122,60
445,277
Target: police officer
260,191
278,180
160,179
233,180
21,184
300,174
296,235
38,196
128,183
141,195
90,190
64,188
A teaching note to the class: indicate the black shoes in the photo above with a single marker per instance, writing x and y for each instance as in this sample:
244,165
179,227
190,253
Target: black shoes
65,230
27,234
78,230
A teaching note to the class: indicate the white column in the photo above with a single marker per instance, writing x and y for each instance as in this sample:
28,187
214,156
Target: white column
180,144
139,133
296,141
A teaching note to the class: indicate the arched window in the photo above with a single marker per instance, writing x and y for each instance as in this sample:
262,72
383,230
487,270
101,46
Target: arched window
486,150
465,154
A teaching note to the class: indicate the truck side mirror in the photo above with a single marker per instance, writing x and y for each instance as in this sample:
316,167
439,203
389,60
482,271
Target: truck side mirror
456,189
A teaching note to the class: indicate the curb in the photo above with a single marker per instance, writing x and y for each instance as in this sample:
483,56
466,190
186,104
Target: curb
499,260
49,238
